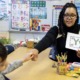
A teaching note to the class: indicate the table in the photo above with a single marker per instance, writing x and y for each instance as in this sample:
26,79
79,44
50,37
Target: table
35,70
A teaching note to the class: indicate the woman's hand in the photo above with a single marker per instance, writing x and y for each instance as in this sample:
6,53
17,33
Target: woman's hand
34,54
78,53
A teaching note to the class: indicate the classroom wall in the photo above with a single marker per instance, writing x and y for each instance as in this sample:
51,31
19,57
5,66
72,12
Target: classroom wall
22,35
31,35
4,26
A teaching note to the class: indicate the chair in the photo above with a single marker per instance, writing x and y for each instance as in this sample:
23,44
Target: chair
9,48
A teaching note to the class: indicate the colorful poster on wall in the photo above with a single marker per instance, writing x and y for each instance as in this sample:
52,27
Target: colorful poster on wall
38,3
36,14
35,24
3,10
20,16
38,11
38,8
41,12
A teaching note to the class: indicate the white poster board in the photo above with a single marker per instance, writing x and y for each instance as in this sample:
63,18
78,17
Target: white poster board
73,41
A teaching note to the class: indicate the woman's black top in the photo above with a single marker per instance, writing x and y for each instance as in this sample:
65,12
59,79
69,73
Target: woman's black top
51,39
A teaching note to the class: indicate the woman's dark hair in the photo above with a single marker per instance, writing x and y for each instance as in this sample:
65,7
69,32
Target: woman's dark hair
3,52
61,16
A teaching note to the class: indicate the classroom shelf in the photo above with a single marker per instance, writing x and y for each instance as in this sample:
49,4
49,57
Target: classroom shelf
18,31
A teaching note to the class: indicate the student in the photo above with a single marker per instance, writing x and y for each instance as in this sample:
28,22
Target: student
6,67
67,22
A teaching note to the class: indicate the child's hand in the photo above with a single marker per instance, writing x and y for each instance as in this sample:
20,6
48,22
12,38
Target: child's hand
27,57
34,54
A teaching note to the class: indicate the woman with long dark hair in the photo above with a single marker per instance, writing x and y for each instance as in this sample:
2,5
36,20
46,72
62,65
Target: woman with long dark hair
67,22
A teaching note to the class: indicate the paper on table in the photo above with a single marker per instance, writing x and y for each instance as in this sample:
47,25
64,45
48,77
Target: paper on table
73,41
76,64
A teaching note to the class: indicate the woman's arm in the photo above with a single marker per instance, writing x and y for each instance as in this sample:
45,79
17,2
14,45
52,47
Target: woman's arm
46,42
48,39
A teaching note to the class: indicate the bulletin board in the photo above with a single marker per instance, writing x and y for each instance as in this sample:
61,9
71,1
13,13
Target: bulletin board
38,8
38,12
20,15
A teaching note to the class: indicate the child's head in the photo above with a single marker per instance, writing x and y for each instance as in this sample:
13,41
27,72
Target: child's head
3,53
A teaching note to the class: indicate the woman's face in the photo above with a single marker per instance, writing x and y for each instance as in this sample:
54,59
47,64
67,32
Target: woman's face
70,17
